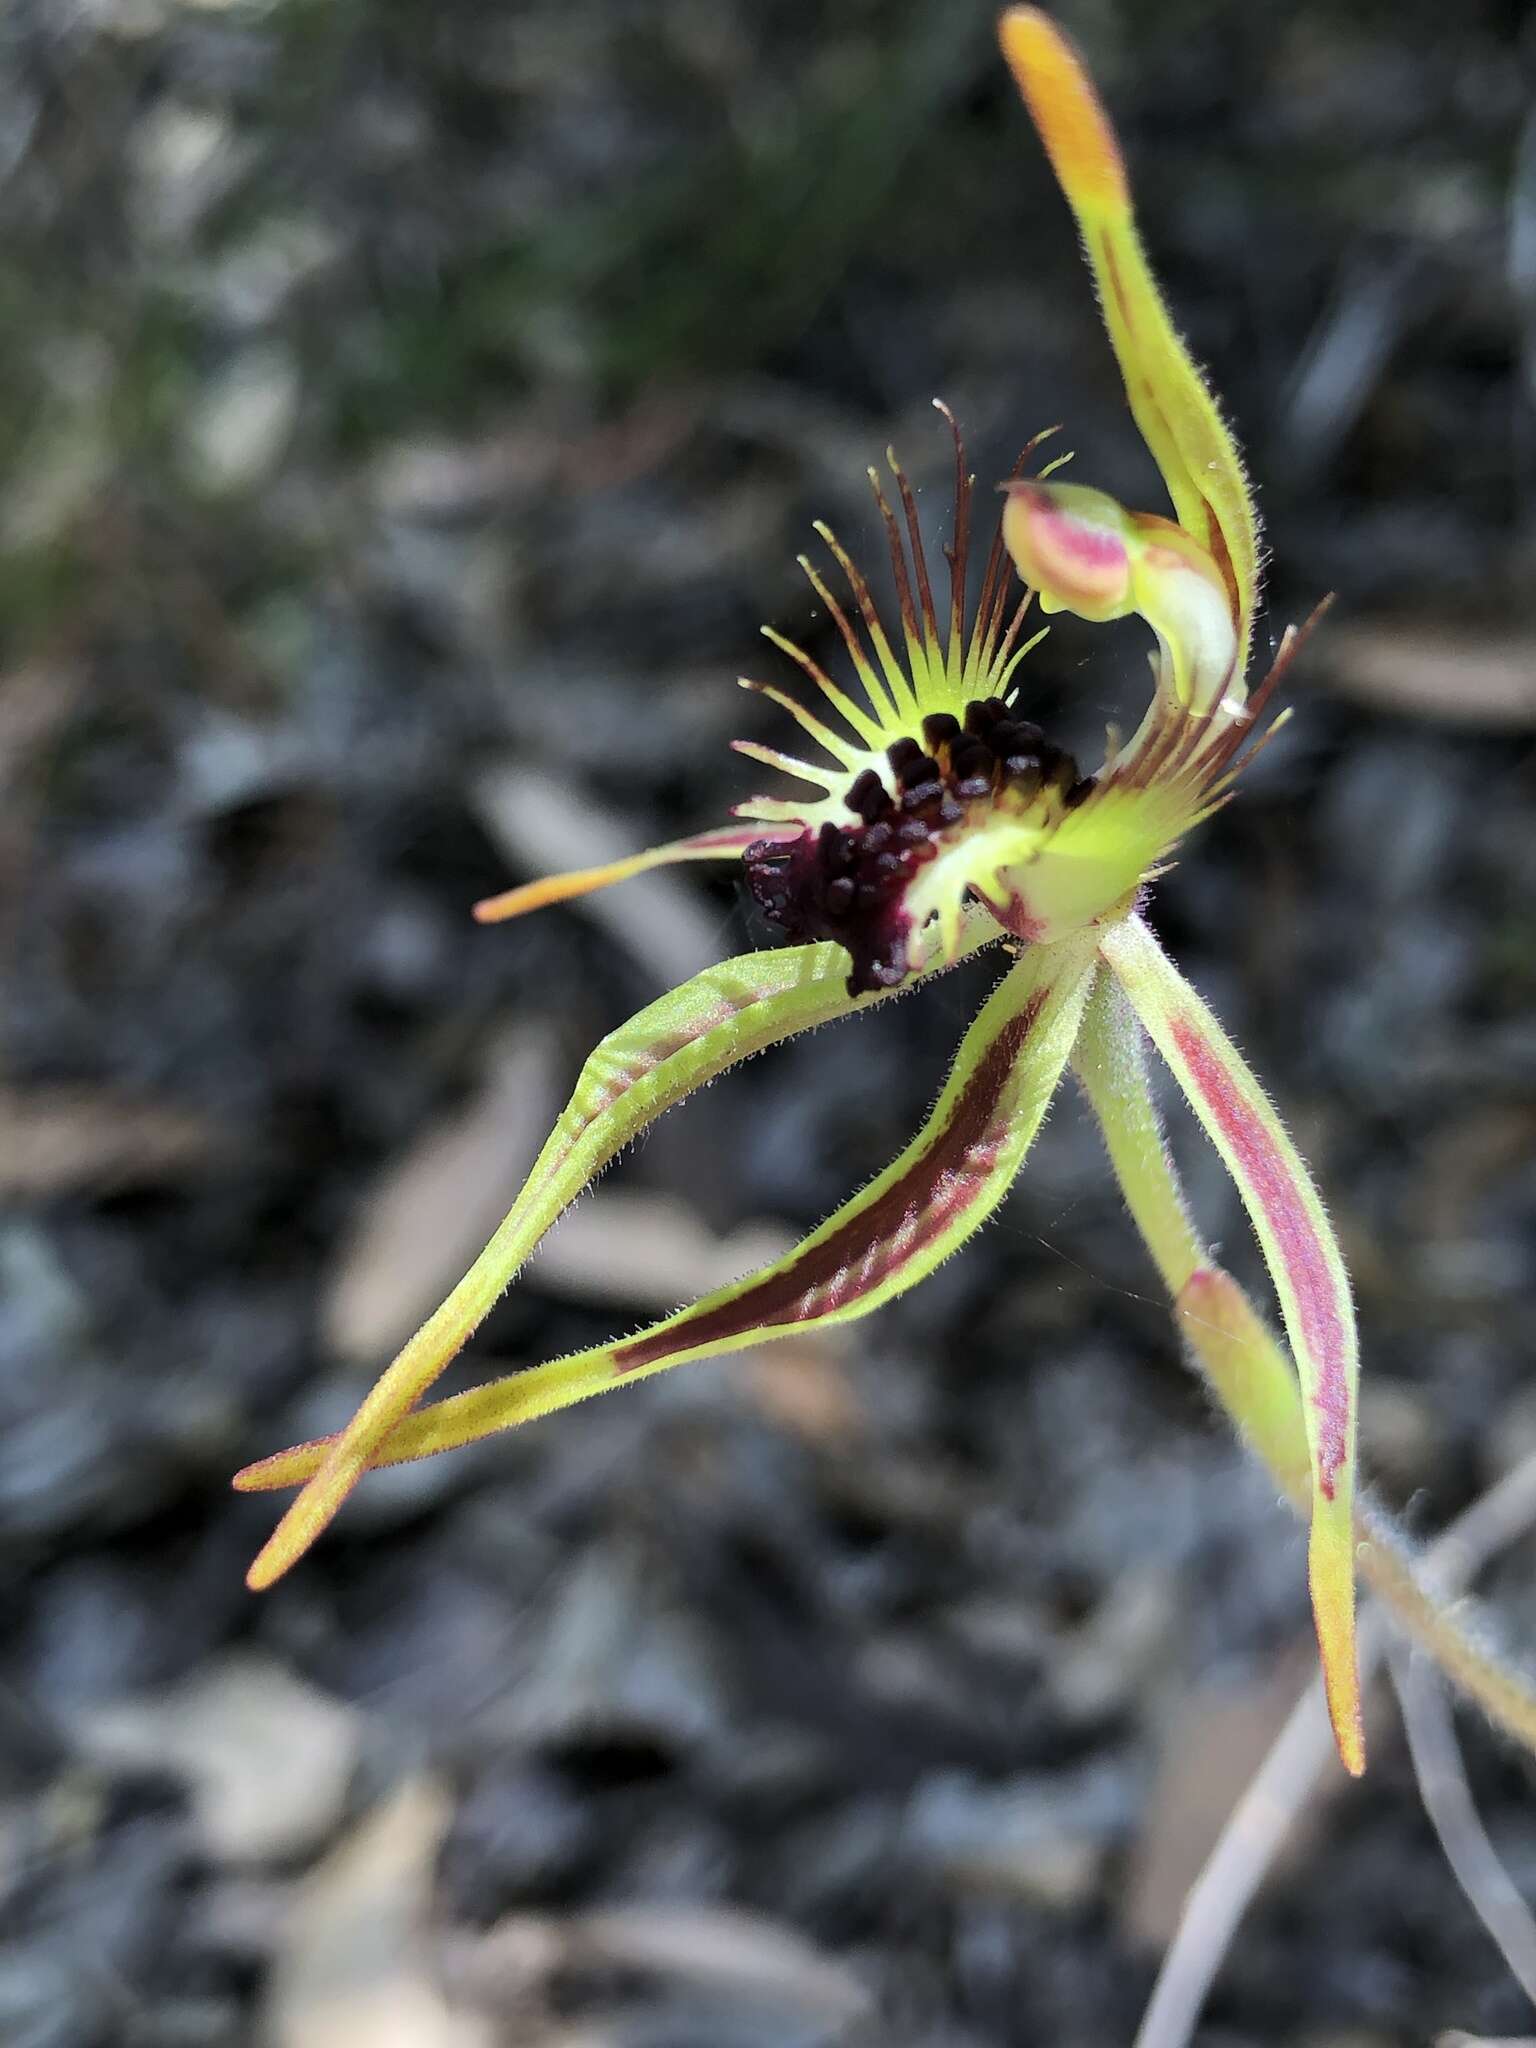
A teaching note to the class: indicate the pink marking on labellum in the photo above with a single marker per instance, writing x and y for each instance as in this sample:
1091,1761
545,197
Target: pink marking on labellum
868,1247
1323,1322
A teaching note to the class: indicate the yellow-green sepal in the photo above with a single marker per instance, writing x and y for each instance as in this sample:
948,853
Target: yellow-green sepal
1306,1266
1168,397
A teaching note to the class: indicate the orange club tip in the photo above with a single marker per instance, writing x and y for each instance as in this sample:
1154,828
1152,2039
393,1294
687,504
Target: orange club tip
728,843
1065,109
1341,1689
550,889
1331,1573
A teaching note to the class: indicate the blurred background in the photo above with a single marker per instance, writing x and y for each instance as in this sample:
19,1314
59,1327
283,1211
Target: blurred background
407,416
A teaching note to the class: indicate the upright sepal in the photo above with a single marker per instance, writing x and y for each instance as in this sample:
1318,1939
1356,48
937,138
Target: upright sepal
883,1241
1168,397
1308,1271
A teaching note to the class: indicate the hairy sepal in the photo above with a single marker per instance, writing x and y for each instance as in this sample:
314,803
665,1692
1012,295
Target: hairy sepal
662,1054
876,1246
1168,397
1250,1374
1248,1371
1308,1273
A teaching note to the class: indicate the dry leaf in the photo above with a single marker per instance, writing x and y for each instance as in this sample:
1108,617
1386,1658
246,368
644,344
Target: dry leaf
438,1202
1213,1746
267,1756
544,825
803,1387
630,1248
725,1952
356,1966
1432,671
59,1140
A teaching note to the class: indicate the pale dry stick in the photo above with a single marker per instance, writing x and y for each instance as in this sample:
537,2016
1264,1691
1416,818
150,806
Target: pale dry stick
1262,1818
1442,1779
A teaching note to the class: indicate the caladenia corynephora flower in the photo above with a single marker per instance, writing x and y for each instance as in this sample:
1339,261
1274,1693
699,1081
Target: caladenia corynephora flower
936,820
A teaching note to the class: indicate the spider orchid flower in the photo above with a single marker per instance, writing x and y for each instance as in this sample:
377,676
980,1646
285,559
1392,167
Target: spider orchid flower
939,820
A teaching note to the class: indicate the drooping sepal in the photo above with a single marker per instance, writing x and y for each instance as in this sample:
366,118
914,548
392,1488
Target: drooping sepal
1250,1373
1308,1273
880,1243
668,1050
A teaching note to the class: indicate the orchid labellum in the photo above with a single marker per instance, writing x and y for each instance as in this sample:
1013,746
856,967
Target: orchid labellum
935,820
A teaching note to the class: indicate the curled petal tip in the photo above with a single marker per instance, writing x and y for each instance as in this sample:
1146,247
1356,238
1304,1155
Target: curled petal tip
296,1532
553,889
509,904
1349,1734
270,1475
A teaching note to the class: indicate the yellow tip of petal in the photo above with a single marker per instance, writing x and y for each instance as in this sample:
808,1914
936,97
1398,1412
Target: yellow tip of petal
1065,108
284,1468
294,1534
267,1569
726,844
554,889
1331,1574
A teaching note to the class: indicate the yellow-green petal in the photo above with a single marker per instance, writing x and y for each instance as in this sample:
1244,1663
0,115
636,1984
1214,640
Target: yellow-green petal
880,1243
669,1049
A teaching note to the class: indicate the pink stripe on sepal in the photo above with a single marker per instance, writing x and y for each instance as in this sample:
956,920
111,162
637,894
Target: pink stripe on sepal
1306,1267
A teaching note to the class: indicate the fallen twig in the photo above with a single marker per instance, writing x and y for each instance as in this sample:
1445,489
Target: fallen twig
1259,1823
